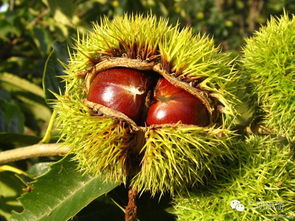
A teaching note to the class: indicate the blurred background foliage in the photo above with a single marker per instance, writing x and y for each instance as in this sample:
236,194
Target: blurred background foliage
35,36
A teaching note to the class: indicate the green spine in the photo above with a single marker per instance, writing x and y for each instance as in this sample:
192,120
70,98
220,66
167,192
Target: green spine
261,178
269,60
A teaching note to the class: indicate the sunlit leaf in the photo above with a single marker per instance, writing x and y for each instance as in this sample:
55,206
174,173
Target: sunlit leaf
14,83
61,193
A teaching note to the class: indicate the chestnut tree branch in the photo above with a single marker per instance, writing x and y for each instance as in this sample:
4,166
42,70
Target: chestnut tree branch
37,150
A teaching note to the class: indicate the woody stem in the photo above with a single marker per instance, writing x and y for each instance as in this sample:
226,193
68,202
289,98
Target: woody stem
131,208
37,150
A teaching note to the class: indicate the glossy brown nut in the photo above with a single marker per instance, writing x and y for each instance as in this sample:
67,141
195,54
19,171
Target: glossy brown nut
172,104
120,89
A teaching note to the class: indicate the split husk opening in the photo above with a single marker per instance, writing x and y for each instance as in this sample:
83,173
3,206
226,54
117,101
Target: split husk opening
115,62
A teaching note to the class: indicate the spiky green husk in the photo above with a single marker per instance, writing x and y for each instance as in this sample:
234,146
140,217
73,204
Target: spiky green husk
270,62
176,158
172,157
262,179
99,143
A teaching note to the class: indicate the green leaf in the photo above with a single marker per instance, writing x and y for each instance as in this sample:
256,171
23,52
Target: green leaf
61,193
37,115
30,102
10,189
53,70
14,83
